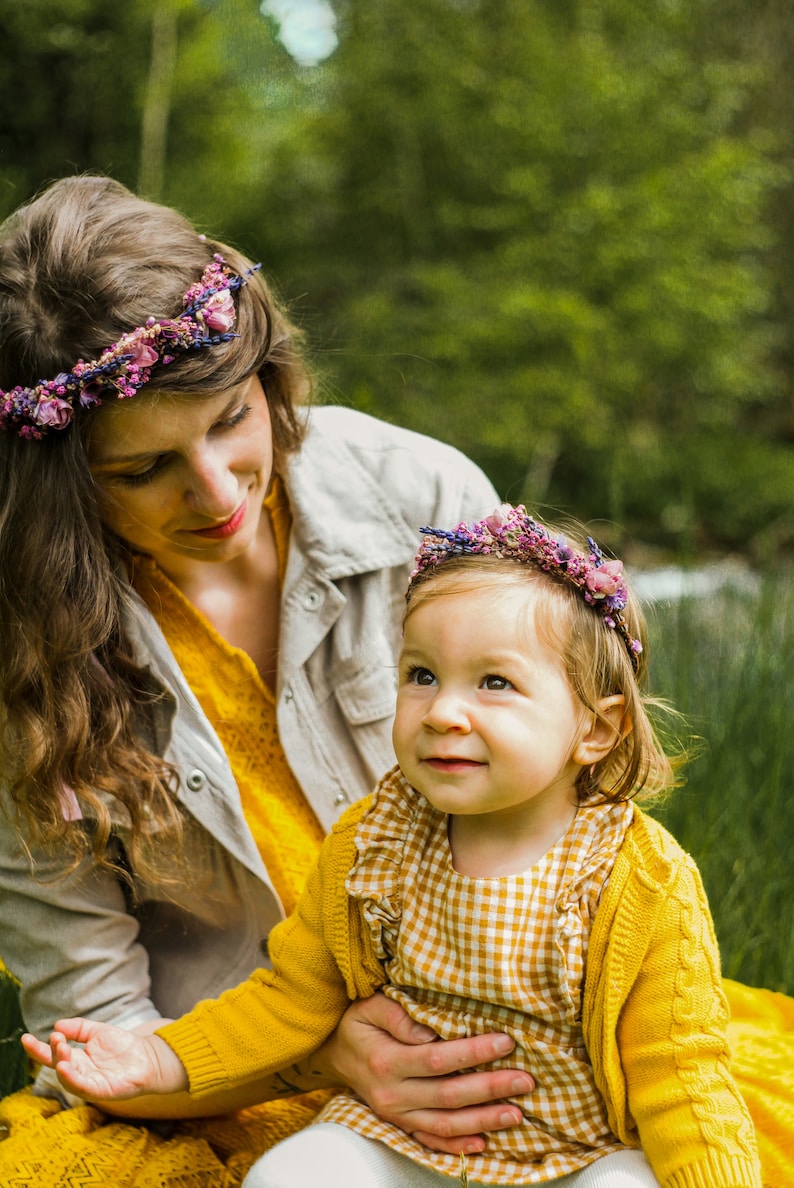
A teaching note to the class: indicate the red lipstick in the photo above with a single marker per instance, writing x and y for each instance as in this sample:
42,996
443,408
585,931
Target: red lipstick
219,531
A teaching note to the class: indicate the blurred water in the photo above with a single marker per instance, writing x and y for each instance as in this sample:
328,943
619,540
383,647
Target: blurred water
671,583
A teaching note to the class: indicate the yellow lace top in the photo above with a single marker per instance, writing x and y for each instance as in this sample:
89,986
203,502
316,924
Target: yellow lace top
242,710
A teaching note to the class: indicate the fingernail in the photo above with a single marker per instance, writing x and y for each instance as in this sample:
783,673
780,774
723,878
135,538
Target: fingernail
503,1044
523,1084
510,1118
474,1147
422,1034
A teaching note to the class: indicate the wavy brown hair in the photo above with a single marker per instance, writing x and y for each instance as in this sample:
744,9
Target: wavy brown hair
81,264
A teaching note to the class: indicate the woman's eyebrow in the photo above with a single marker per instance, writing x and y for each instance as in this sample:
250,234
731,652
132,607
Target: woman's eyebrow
125,459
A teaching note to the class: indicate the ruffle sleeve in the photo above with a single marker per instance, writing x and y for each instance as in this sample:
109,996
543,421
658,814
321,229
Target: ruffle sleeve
383,836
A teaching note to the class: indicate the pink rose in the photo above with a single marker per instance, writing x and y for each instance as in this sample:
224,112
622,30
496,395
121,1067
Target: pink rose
605,580
143,355
219,312
54,413
497,519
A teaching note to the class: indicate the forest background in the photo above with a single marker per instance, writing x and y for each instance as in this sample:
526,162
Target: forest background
557,233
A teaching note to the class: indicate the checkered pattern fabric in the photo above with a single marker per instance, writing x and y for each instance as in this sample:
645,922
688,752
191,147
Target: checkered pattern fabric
469,955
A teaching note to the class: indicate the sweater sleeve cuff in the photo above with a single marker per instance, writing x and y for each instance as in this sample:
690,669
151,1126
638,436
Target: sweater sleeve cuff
204,1068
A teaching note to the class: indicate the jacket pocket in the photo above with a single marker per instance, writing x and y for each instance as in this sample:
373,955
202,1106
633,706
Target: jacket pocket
368,696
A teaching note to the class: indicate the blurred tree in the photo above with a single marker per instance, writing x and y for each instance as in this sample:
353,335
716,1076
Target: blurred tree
546,237
67,88
157,100
161,94
762,34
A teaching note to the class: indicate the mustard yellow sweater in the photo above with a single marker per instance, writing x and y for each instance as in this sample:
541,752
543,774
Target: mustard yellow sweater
654,1013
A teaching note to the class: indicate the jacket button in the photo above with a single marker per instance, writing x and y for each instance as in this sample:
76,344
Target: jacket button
312,600
340,798
288,695
196,780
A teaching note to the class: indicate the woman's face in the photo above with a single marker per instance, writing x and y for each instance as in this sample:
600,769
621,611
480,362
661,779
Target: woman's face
182,478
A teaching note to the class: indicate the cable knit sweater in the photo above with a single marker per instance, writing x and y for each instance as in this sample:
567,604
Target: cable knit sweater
654,1014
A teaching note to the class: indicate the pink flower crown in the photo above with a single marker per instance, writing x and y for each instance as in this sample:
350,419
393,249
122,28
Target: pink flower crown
510,532
207,318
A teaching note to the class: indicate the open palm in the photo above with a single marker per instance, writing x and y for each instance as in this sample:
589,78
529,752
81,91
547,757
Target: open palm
113,1064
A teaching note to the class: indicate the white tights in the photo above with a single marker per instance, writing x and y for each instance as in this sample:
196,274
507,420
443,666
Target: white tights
327,1153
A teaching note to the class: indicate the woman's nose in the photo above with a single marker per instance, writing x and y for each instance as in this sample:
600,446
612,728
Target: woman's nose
212,485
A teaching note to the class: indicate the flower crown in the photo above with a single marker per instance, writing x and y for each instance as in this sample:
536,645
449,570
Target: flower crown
510,532
208,315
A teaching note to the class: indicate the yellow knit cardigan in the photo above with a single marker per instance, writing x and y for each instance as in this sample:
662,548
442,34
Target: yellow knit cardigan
654,1013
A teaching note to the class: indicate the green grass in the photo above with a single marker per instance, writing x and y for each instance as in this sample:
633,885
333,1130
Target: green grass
728,664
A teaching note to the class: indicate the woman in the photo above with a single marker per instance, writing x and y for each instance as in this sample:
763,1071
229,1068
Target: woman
197,667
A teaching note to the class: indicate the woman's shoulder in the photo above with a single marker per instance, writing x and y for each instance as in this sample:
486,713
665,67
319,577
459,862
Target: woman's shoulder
386,452
360,431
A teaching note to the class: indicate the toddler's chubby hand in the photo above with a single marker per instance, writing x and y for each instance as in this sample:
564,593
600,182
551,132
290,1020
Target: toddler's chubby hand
113,1064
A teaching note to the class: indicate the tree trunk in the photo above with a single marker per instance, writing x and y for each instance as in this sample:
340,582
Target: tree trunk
157,102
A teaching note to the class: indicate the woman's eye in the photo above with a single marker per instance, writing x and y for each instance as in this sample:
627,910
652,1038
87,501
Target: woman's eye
421,676
236,418
494,683
142,477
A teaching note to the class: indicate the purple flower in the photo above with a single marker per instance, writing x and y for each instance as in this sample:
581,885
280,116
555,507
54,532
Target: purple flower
59,384
169,330
91,394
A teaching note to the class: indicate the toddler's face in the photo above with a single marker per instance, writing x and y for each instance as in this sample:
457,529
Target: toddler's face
486,720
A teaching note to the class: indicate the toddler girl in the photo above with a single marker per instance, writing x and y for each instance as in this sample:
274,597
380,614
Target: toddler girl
500,879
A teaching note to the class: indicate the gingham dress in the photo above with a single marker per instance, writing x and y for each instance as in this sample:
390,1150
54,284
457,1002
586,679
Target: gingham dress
470,955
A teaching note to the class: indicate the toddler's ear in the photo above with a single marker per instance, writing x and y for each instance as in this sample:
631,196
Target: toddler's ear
603,731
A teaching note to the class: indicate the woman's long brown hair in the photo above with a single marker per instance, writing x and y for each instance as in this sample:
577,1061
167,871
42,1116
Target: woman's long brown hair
79,265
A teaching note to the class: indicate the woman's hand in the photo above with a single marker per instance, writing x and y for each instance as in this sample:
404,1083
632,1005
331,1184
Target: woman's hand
114,1064
417,1082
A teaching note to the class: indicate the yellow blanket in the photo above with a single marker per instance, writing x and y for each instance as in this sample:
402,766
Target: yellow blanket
761,1033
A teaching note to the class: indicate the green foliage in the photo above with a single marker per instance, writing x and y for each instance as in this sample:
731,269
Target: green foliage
77,79
14,1072
560,264
548,230
67,91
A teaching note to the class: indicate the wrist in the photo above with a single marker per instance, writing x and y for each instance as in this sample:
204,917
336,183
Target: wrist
169,1071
